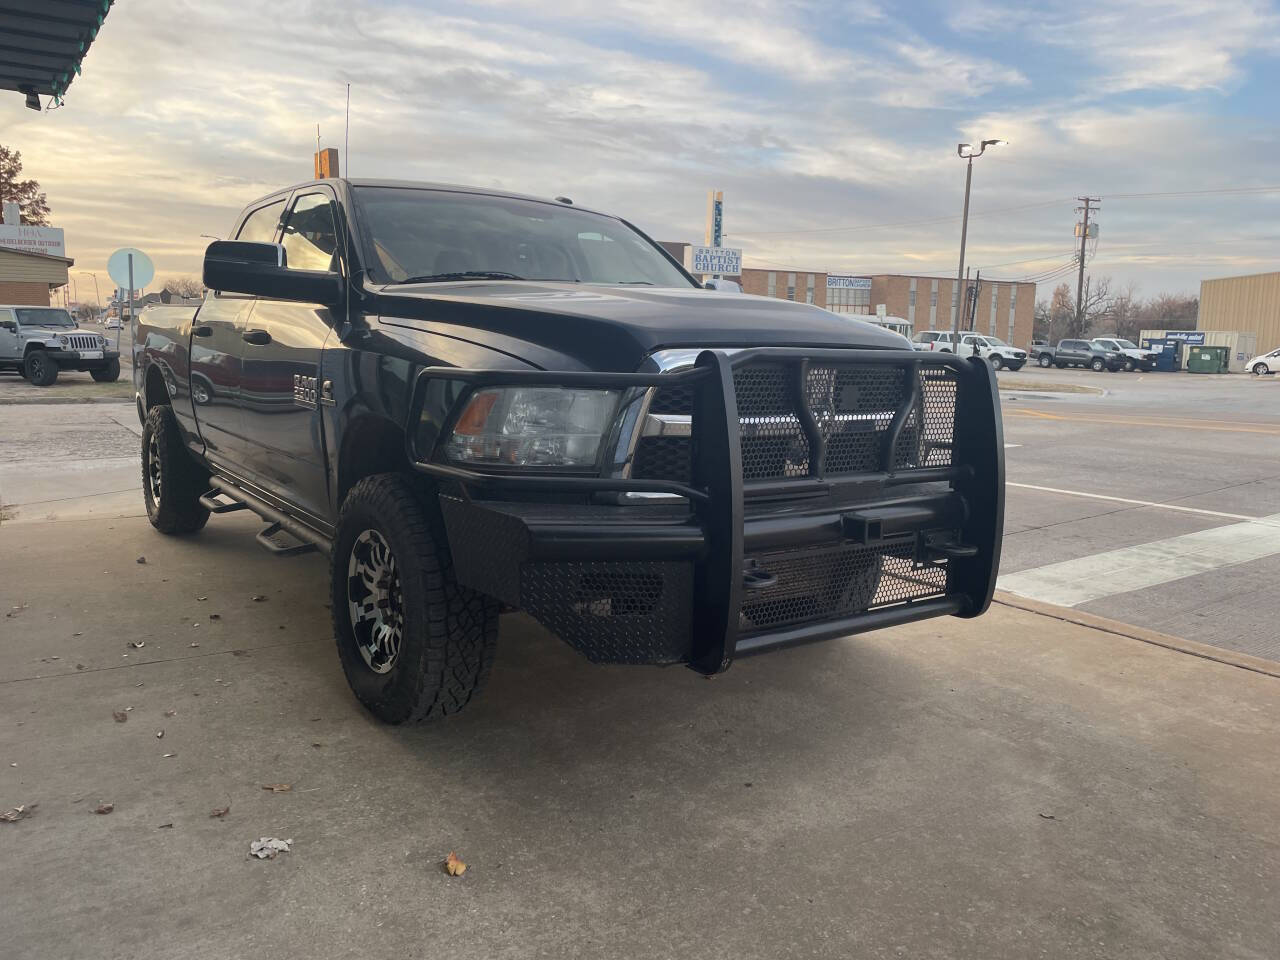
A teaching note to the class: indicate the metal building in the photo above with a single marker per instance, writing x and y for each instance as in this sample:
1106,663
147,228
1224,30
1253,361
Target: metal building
1249,303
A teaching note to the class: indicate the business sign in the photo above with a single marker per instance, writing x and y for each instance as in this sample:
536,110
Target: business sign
726,261
1189,337
844,281
46,240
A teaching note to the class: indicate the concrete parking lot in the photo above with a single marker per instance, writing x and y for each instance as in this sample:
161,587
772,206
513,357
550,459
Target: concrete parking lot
1015,786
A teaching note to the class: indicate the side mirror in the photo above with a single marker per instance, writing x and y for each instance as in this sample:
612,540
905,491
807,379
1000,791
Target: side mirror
261,270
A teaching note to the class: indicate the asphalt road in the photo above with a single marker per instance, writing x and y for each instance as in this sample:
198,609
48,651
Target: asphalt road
1202,561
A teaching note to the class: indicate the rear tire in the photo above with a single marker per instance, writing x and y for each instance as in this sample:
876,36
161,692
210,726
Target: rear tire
172,482
413,643
108,374
40,368
996,361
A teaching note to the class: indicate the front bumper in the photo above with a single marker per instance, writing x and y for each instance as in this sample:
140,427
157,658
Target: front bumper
742,563
76,359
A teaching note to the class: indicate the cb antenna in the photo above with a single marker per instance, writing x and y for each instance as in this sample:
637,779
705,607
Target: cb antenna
346,134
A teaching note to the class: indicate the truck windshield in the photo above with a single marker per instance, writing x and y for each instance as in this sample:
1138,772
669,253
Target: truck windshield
419,235
44,317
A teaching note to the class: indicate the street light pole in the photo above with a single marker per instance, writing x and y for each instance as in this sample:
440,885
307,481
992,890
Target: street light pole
966,152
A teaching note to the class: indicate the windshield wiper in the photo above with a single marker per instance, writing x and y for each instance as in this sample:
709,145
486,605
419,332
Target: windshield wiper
462,275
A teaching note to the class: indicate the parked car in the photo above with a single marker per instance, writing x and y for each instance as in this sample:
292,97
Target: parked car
940,340
652,470
998,353
1080,353
1135,358
1265,363
38,342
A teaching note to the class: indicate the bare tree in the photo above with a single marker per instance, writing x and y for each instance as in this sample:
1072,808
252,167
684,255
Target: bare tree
185,286
26,194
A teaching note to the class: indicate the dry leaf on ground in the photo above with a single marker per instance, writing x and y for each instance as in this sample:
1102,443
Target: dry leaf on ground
20,812
257,598
104,808
220,811
278,787
142,560
171,713
120,716
453,866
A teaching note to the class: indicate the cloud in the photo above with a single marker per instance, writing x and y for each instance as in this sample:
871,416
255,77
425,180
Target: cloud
810,115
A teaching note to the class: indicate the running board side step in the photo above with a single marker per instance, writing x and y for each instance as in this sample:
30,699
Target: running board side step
277,521
211,503
266,537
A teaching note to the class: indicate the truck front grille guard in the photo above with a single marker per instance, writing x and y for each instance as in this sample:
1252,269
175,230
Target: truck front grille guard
717,492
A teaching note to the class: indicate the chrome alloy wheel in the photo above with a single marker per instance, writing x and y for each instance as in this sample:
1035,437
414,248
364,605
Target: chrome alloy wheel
374,601
155,471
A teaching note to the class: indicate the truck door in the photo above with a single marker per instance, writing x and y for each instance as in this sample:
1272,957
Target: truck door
283,344
216,348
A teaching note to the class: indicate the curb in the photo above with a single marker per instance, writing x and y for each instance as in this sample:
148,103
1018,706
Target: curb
19,401
1205,651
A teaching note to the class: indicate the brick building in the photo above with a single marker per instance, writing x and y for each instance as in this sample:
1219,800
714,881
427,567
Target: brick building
1005,310
27,277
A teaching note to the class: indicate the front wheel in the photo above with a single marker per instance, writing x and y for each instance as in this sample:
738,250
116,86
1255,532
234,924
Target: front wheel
996,361
1128,366
1097,366
40,368
1261,369
1045,360
172,482
414,645
108,374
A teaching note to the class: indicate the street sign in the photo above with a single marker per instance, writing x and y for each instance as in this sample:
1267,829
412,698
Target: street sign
881,311
847,281
726,261
144,271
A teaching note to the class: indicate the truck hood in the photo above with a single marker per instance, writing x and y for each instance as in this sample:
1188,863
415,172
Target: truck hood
595,327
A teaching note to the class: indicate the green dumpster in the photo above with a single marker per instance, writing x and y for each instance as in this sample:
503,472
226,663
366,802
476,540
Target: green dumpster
1208,359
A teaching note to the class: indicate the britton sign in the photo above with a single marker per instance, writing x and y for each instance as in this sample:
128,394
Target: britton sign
726,261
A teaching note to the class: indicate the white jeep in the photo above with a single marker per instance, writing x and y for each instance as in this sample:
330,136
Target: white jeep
40,341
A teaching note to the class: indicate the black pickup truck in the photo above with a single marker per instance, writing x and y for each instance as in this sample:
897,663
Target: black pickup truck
474,401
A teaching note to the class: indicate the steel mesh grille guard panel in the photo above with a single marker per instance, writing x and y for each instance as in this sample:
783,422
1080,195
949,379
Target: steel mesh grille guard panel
853,405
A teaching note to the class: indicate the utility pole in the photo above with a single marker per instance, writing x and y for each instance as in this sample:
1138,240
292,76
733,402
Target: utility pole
1084,235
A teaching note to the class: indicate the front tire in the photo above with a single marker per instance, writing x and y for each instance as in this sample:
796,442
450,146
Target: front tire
172,482
1261,369
1045,360
414,645
1128,366
1097,366
108,374
40,368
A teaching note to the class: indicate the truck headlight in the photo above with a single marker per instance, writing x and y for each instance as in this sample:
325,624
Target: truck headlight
532,427
63,340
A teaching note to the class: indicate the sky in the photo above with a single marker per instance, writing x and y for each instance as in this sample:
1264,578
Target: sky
831,127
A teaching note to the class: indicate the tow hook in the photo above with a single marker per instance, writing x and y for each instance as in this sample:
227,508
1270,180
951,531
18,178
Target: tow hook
755,577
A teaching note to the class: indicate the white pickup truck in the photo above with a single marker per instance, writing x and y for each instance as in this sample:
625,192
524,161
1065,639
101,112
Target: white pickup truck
1135,358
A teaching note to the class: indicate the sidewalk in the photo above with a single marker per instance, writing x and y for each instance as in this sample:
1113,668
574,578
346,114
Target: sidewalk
1009,787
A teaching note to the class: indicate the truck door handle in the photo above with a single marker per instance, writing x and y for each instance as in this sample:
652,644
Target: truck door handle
258,337
202,331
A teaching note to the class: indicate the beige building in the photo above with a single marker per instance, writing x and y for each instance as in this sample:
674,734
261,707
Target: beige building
27,278
1247,304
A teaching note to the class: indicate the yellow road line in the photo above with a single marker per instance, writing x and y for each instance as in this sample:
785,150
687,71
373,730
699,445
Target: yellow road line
1218,426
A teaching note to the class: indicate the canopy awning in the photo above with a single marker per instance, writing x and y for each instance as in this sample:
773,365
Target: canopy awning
43,41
